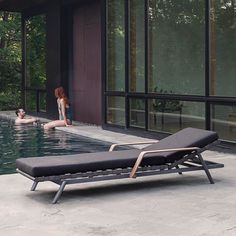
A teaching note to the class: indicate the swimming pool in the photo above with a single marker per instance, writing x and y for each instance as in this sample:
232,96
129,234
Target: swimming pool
30,141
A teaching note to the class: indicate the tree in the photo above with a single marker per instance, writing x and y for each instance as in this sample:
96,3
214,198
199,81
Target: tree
10,60
11,54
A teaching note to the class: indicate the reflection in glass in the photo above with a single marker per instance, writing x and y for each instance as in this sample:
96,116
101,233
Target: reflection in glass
176,46
173,115
223,48
137,113
223,121
137,46
116,110
115,45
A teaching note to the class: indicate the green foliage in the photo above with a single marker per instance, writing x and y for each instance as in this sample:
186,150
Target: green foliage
35,52
10,60
10,100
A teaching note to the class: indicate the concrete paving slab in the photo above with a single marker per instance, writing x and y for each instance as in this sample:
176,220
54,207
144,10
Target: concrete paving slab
161,205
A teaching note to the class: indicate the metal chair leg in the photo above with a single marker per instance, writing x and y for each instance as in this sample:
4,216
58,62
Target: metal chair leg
177,167
59,192
205,168
34,186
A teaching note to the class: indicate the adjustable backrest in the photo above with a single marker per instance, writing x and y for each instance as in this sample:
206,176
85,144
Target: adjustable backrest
188,137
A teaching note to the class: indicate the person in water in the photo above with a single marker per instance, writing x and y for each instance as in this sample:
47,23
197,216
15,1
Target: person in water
22,119
64,112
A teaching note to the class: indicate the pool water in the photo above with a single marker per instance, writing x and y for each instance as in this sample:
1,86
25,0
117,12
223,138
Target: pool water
31,141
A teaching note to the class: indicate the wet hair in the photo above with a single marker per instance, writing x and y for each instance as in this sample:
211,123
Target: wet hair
60,93
18,111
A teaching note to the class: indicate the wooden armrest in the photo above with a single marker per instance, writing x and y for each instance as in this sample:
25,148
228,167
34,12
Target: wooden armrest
135,143
142,154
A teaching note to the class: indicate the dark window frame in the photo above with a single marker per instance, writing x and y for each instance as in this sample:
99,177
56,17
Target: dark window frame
207,99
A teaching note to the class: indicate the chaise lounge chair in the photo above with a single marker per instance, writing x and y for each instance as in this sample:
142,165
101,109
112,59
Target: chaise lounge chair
177,153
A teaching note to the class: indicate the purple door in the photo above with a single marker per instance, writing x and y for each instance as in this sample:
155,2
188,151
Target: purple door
86,85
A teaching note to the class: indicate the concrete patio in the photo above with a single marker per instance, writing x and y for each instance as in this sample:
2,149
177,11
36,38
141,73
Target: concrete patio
160,205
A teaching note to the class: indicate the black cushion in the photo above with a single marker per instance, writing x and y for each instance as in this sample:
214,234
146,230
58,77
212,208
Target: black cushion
57,165
188,137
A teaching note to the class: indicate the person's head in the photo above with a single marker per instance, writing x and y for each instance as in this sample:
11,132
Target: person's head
20,113
60,93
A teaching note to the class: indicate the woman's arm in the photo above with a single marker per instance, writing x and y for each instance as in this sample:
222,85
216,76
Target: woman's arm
59,108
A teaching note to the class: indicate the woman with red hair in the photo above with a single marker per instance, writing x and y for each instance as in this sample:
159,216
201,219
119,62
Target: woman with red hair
63,110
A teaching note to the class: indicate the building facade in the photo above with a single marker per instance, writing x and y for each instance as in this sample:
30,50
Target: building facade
146,65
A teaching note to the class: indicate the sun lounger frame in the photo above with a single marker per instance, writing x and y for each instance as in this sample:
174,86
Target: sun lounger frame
190,162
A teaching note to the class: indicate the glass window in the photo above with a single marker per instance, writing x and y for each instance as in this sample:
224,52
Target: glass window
223,48
137,46
137,113
35,51
177,46
35,59
115,45
10,60
30,101
173,115
42,100
35,100
223,121
116,110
